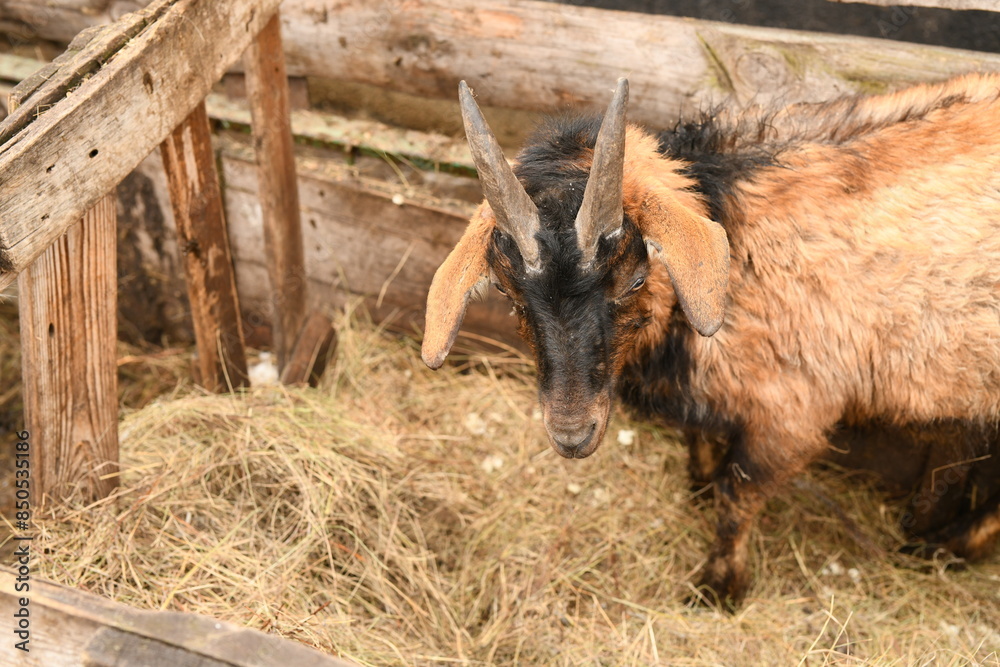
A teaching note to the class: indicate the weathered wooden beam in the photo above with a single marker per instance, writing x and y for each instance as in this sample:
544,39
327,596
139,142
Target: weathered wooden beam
85,55
315,343
81,147
543,56
70,628
196,199
987,5
431,149
67,300
267,89
363,239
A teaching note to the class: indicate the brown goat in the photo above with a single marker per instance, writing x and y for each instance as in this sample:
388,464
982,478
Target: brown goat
771,275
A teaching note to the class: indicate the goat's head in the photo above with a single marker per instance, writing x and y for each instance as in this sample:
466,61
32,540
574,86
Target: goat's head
570,244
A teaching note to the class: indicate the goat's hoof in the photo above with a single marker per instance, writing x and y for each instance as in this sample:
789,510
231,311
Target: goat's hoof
721,588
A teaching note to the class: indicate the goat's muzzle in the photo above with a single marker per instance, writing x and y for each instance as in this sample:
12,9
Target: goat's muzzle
576,431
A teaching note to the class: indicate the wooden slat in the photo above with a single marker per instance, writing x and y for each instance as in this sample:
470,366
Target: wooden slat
69,628
435,150
544,56
84,56
313,347
196,198
267,89
987,5
67,302
81,147
359,242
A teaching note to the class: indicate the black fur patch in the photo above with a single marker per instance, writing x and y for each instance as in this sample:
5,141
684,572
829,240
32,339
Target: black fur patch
658,385
569,316
718,157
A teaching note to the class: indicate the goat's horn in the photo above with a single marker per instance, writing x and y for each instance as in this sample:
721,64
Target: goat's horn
601,211
513,209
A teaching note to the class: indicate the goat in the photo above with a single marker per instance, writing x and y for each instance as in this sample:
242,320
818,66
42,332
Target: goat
765,274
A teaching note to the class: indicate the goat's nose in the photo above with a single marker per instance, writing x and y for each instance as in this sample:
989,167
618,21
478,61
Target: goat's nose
571,440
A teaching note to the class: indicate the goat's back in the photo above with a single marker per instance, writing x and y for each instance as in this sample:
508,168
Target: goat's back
866,267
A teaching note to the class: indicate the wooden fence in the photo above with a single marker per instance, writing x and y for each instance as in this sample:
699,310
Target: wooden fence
79,126
76,128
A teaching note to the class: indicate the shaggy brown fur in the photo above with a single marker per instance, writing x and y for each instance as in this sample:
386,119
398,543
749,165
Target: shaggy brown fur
862,257
865,285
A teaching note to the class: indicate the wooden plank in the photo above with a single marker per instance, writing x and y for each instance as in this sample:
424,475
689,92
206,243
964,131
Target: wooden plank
986,5
542,56
433,150
313,126
70,628
267,89
68,322
312,349
79,149
362,240
18,68
196,198
85,55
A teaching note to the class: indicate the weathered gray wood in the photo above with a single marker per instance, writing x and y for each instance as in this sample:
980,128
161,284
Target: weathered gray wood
543,56
60,20
358,242
371,136
70,628
196,198
18,68
67,301
85,144
85,55
267,90
988,5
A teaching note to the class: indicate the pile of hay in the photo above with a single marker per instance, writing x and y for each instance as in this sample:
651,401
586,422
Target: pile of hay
400,516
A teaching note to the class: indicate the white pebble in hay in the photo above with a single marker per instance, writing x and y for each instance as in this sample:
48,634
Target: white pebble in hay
475,424
949,629
536,414
854,574
398,199
491,464
834,568
265,371
600,497
626,437
573,488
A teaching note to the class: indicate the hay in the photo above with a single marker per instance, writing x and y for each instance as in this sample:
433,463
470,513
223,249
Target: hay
400,516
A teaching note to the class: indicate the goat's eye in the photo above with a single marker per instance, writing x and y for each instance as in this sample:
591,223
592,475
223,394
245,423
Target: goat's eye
639,282
500,289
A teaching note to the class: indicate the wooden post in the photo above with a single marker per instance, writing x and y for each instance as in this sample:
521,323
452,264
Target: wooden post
68,319
196,199
267,89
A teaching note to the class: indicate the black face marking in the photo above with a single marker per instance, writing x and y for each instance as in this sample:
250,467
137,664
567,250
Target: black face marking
583,322
578,319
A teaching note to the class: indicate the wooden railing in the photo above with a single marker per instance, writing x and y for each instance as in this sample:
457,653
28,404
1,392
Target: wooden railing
75,130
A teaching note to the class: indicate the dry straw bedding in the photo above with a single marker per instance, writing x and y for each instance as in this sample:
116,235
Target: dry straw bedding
399,516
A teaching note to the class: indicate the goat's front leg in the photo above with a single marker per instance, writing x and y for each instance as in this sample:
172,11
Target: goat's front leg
756,468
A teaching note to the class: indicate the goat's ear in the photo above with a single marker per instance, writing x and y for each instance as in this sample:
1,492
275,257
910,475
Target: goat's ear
453,284
695,251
